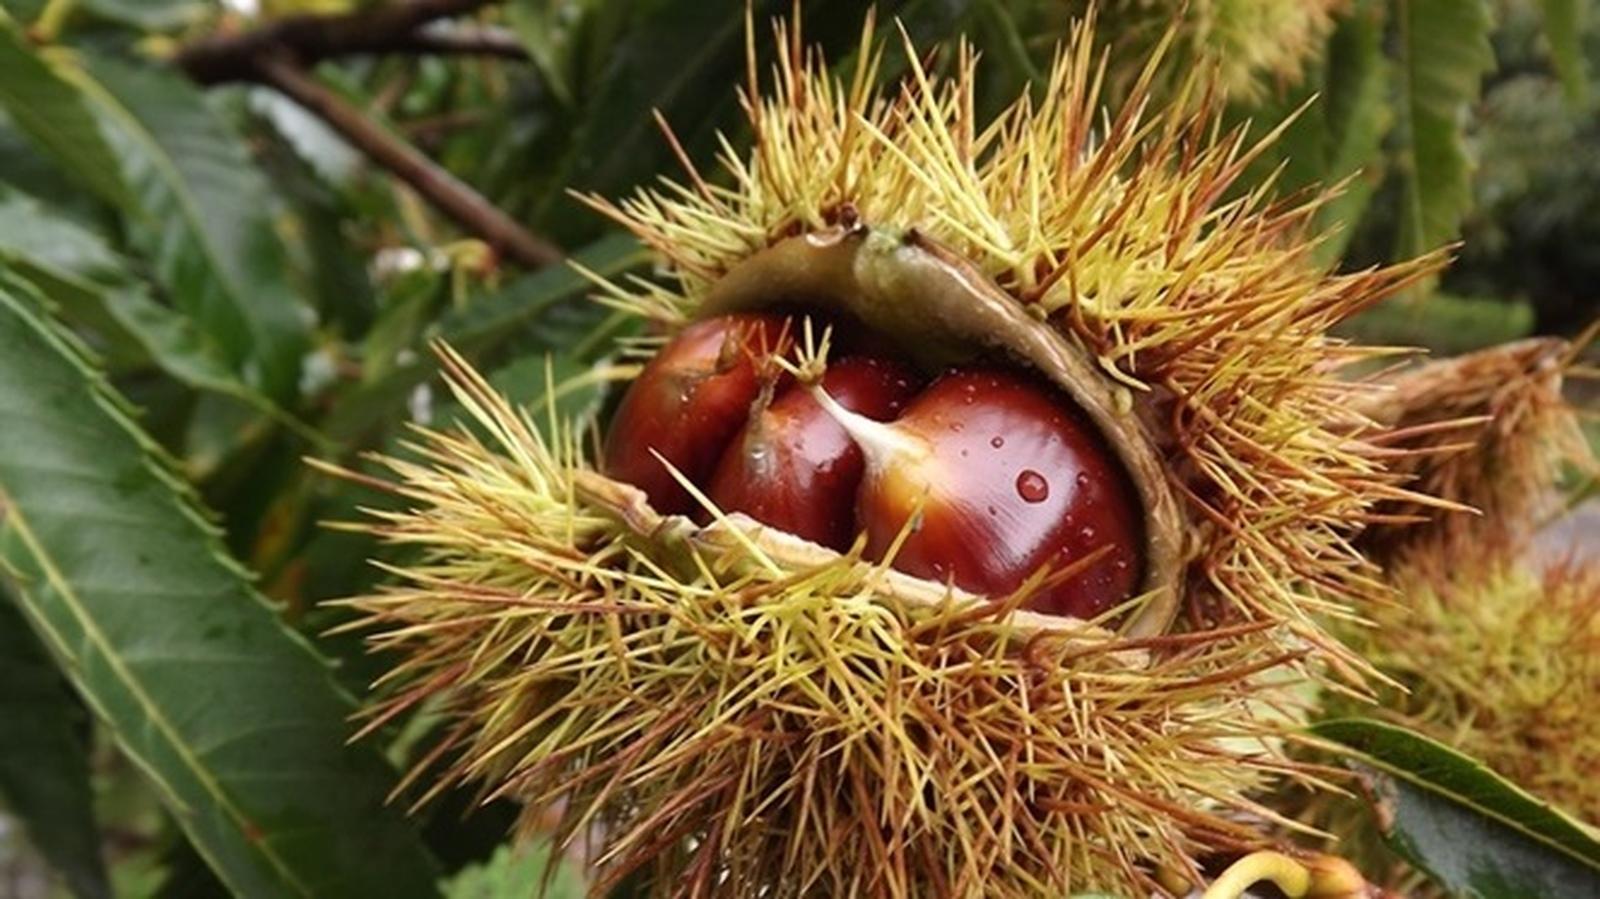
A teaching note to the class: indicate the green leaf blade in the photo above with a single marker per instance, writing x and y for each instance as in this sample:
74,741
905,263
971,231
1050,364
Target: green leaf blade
95,289
1564,22
677,58
231,715
534,868
524,300
44,768
206,220
1444,53
492,320
53,113
1475,833
1358,116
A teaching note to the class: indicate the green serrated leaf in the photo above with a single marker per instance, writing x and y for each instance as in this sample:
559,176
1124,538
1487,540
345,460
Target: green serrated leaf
206,220
1357,115
1478,835
1444,52
1341,114
44,764
1564,24
494,316
319,146
94,289
230,714
73,264
51,111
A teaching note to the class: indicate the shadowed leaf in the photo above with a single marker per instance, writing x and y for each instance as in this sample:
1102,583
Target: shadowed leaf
1475,833
517,871
491,318
51,111
93,288
230,714
206,220
1443,53
44,770
1564,22
1357,115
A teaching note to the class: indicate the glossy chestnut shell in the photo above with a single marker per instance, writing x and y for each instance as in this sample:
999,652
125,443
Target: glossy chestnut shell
939,312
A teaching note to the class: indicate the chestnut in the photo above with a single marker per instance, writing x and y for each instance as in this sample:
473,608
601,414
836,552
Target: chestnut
687,404
793,467
1004,476
983,479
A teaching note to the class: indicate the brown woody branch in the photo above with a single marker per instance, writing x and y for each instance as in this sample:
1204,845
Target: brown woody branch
310,39
448,194
474,41
280,55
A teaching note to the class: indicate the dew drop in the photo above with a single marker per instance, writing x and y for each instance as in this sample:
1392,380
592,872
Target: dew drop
1082,479
997,442
1087,534
1032,486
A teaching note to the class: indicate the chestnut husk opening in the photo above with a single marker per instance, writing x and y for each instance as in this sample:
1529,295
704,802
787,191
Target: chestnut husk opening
938,310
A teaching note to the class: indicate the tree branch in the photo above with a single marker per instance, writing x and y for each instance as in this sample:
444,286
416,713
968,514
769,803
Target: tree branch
309,39
458,201
468,41
280,55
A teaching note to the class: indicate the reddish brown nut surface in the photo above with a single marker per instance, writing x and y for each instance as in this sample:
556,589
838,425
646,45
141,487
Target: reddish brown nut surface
1009,477
998,474
687,404
794,467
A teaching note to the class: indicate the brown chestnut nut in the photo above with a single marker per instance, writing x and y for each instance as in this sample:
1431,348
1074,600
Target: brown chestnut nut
687,404
1005,476
793,467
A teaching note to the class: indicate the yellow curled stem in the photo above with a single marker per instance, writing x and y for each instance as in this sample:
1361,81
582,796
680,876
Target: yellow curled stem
1290,876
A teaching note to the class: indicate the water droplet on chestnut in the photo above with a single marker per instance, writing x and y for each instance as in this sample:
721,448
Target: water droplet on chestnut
916,462
1032,486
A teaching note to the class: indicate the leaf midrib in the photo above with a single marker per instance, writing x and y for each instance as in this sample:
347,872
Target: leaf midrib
1413,189
179,187
1512,823
63,137
17,521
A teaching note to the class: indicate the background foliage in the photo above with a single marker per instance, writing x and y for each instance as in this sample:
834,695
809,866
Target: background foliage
219,256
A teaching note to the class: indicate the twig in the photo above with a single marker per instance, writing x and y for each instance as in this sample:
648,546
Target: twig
460,41
467,207
421,131
281,54
309,39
